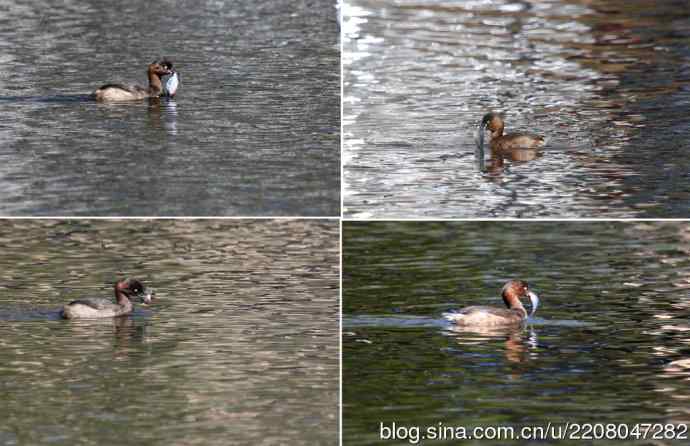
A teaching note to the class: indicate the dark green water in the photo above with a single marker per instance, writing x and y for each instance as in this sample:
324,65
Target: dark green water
609,343
240,348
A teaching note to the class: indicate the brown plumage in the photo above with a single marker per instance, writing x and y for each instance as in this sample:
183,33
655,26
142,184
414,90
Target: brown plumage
90,308
514,146
500,142
514,314
118,92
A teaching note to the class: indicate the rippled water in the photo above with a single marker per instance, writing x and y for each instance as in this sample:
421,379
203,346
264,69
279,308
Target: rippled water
240,348
608,344
254,129
608,83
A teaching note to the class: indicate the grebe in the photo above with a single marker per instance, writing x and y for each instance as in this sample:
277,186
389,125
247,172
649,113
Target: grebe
505,143
119,92
513,147
171,81
98,307
515,314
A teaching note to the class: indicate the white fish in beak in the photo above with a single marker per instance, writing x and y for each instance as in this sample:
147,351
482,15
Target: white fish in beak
535,302
171,83
146,296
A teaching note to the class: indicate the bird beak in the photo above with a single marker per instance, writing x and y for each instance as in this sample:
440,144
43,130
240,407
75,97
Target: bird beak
535,302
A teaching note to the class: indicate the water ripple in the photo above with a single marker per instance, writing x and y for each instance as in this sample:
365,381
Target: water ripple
241,343
602,83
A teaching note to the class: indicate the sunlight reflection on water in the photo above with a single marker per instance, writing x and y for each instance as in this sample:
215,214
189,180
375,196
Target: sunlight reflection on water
419,75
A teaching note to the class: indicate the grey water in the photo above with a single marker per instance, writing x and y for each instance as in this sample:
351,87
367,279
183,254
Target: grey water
605,81
608,343
253,131
240,346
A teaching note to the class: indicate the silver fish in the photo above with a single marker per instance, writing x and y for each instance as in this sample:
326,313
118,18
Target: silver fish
170,84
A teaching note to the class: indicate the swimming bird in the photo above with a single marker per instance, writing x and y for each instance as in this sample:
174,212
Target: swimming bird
487,316
519,146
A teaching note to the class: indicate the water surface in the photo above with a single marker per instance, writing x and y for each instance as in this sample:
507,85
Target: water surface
253,131
241,346
608,343
607,82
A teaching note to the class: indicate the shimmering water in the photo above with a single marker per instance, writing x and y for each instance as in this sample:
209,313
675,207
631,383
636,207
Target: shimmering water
254,129
607,81
608,344
240,348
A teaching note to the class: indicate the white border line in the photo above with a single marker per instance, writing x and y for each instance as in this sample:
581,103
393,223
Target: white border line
166,218
341,13
341,382
340,344
514,220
